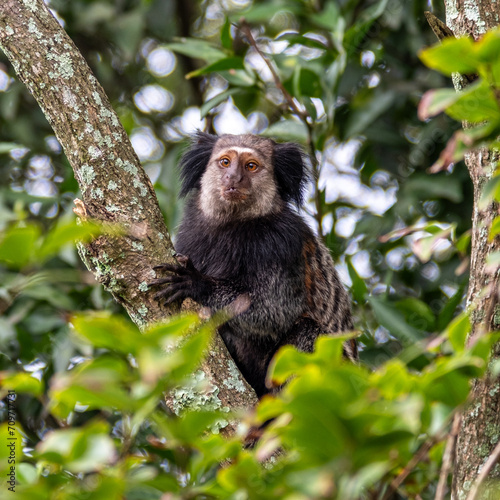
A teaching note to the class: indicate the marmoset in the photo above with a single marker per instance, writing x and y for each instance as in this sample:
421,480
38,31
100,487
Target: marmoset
241,235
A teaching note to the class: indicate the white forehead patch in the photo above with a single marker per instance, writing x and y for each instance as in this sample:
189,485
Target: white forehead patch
239,150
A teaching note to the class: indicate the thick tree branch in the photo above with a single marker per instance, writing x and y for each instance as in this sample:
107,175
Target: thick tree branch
449,453
115,188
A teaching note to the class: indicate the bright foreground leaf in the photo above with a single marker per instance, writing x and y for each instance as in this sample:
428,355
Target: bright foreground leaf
453,55
79,450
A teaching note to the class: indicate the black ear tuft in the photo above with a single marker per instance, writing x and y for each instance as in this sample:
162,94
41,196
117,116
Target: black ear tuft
291,171
194,161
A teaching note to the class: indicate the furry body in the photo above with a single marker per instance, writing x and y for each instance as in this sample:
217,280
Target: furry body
242,237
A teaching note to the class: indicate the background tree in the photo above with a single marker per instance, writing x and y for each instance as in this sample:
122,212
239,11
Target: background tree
342,79
477,445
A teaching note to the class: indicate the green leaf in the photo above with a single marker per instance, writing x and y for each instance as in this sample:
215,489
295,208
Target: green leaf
355,34
329,17
434,102
191,351
7,147
51,294
287,130
287,362
18,244
448,311
239,77
481,347
453,55
79,450
113,332
207,106
476,104
462,141
450,388
68,233
368,112
358,289
193,424
424,247
127,29
487,47
354,486
164,333
463,242
229,63
197,49
389,317
21,382
225,35
308,83
417,313
458,330
393,379
427,187
96,384
26,473
495,227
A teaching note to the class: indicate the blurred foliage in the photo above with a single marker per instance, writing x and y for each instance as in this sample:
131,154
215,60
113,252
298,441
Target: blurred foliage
88,386
338,430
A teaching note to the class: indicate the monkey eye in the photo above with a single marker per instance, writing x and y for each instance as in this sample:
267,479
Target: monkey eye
224,162
252,166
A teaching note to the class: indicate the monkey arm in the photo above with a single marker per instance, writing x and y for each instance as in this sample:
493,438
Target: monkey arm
276,301
186,281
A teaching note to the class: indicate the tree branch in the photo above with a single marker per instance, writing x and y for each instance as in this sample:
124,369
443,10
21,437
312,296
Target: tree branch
448,457
115,188
419,455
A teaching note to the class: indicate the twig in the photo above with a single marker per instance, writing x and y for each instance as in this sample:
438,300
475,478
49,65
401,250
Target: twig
245,28
448,455
423,450
490,463
438,27
304,116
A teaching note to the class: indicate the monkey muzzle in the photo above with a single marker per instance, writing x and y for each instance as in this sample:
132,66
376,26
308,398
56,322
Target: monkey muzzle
234,194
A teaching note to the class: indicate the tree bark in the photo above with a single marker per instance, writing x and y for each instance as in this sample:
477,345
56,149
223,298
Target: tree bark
115,188
480,428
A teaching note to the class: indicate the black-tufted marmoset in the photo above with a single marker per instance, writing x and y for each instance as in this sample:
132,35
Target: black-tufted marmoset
243,236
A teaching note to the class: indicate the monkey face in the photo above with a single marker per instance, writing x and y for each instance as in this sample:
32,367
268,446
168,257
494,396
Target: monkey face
239,180
238,177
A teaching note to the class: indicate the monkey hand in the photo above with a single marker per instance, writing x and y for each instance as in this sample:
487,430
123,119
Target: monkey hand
185,281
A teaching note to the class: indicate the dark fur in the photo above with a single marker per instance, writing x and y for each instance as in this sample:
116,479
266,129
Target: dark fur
194,162
288,274
291,174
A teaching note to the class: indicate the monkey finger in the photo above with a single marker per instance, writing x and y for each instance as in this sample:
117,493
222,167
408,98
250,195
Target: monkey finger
173,289
168,279
176,296
159,281
173,268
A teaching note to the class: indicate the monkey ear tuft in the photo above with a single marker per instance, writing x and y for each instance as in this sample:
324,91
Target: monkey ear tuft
194,161
291,171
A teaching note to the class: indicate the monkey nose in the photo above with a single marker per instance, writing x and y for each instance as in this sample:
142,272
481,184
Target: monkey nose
232,179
